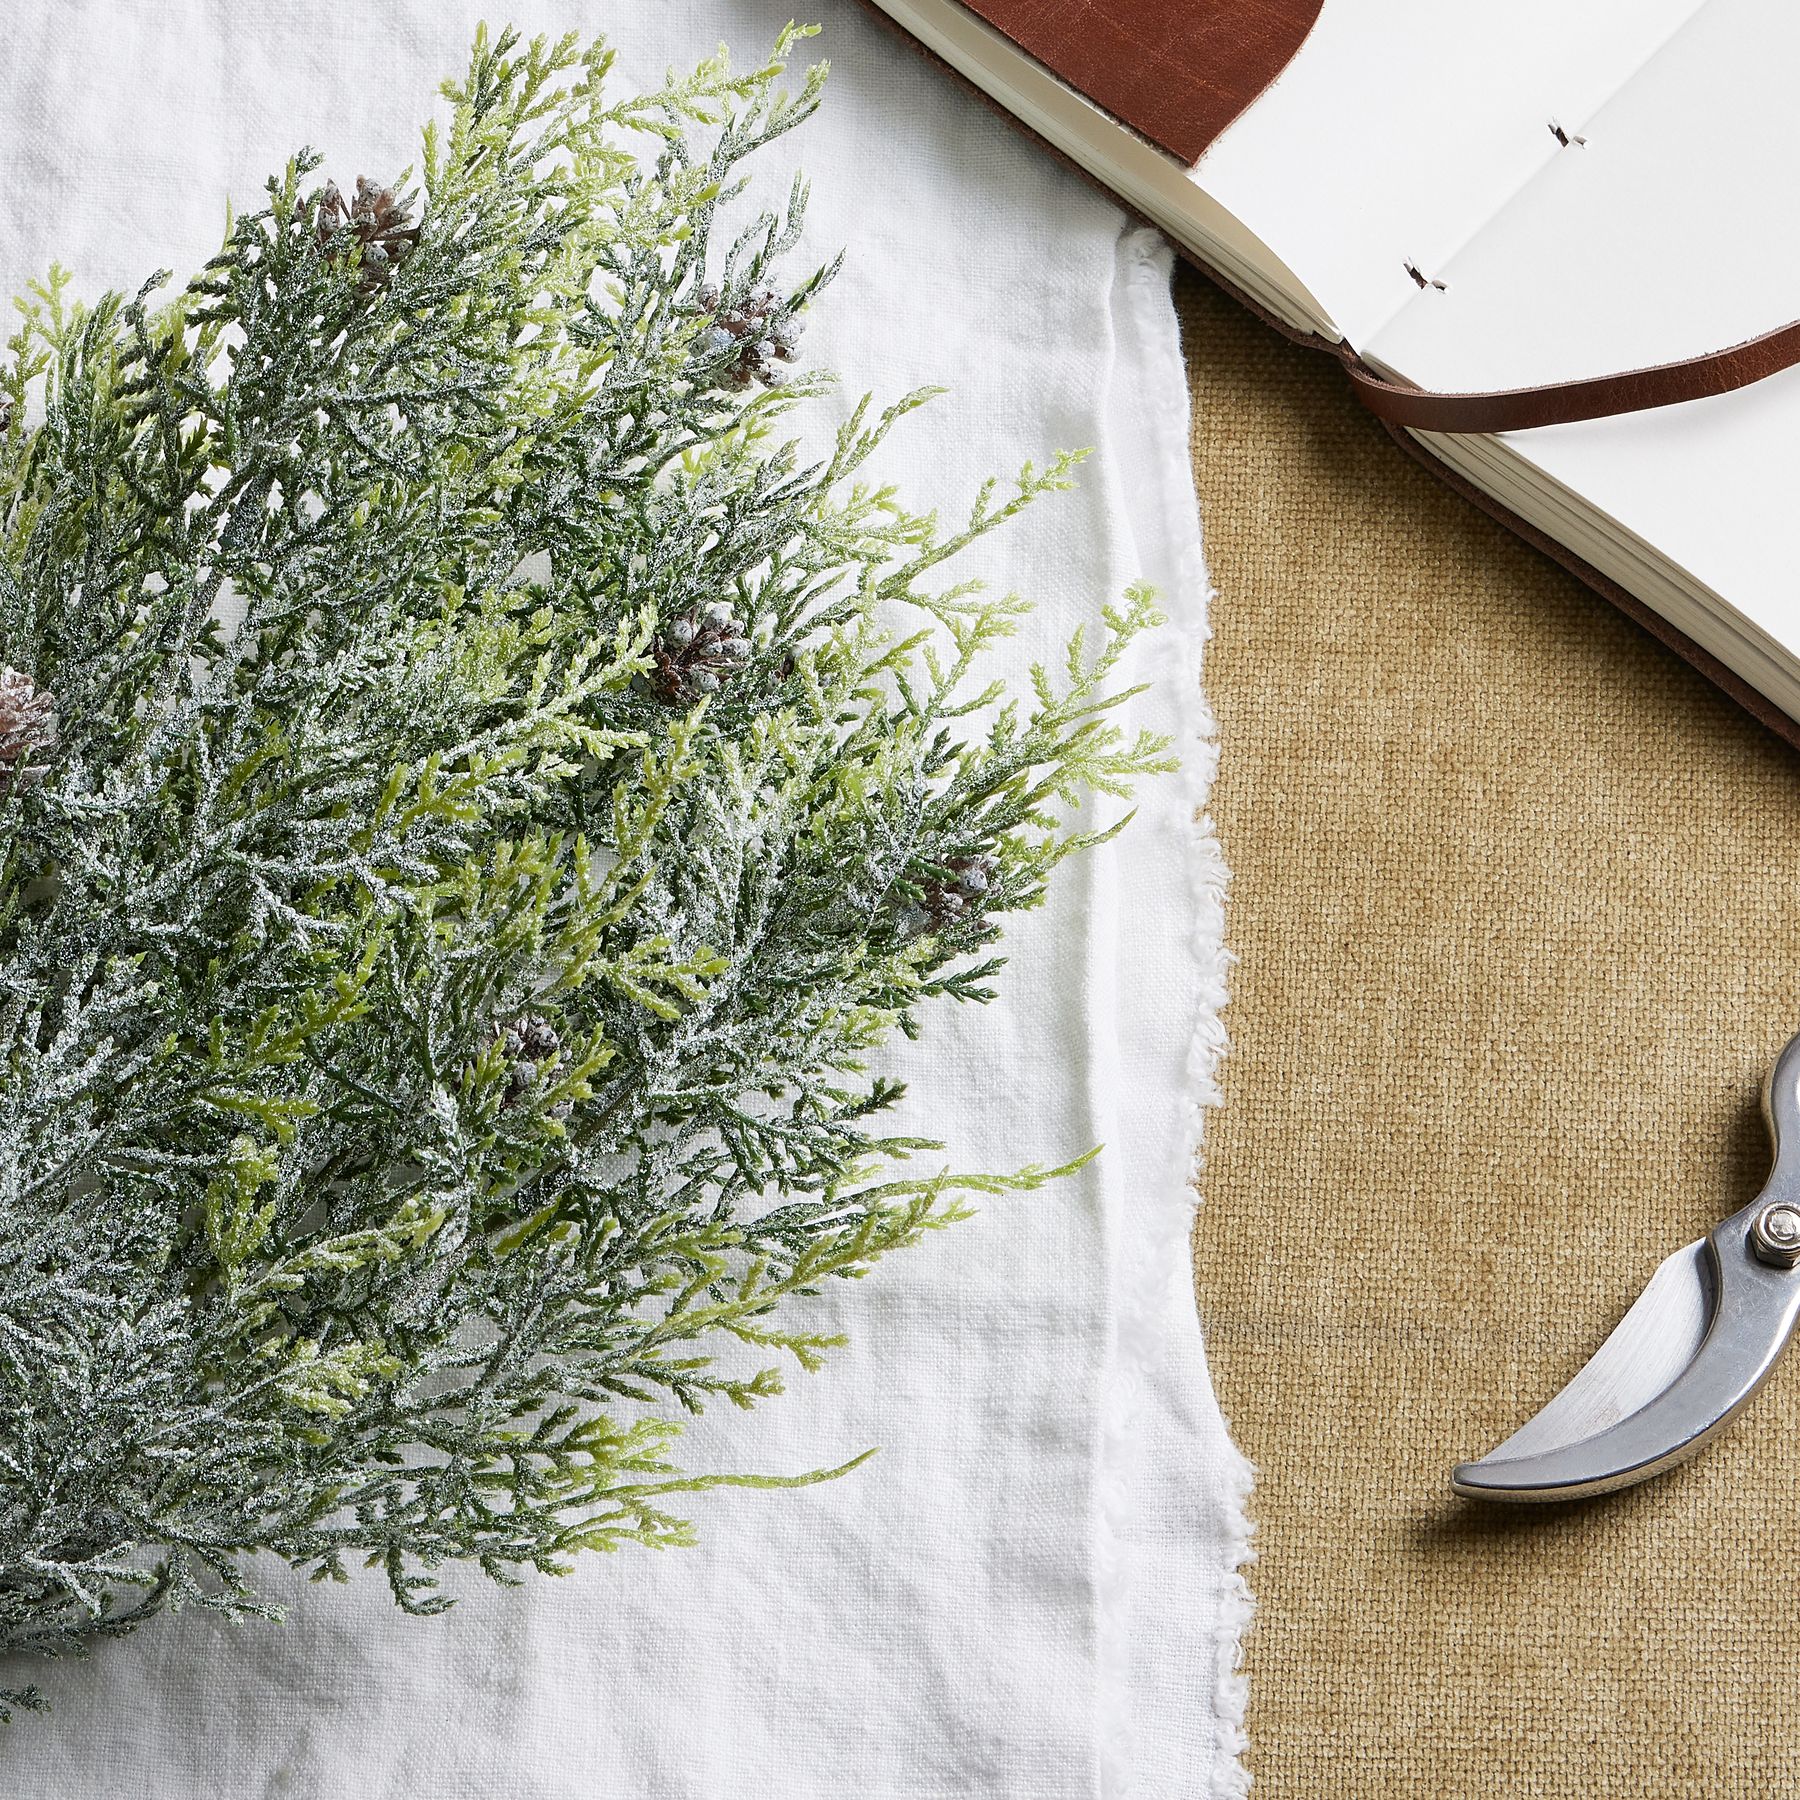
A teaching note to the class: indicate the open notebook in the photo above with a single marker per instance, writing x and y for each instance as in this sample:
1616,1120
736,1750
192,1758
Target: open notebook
1468,199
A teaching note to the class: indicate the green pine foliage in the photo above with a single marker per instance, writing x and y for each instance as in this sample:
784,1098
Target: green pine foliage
472,798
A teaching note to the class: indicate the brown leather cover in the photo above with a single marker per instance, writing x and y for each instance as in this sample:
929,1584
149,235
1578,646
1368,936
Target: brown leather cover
1177,71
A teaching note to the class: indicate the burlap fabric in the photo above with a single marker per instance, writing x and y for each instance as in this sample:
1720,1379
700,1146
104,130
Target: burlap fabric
1516,907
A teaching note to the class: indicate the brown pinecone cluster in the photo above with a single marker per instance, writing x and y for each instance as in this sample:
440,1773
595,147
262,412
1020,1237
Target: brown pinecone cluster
697,653
954,899
763,330
378,222
528,1042
27,725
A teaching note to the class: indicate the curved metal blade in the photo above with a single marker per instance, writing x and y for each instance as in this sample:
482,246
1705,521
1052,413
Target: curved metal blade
1689,1354
1751,1321
1648,1348
1699,1341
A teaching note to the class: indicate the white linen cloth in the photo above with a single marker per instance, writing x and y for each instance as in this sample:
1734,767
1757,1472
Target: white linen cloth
1033,1592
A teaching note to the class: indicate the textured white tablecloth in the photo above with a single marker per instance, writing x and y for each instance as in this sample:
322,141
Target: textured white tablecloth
1033,1591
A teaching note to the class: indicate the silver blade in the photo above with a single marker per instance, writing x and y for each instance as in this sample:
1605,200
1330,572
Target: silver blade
1749,1310
1648,1348
1685,1360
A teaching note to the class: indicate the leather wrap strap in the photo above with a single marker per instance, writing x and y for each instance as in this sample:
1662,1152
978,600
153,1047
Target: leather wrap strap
1562,402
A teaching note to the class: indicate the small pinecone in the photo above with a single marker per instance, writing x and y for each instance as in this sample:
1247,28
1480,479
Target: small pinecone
378,222
762,329
528,1042
697,653
27,725
955,900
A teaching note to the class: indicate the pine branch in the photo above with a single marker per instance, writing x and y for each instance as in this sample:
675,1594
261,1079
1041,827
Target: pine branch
468,818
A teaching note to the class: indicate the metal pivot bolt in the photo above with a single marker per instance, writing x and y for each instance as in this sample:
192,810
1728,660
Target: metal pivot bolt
1775,1235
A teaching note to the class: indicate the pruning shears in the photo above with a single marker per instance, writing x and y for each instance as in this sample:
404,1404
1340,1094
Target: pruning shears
1698,1342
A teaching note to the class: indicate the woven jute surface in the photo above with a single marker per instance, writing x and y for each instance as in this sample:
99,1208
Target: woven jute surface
1516,911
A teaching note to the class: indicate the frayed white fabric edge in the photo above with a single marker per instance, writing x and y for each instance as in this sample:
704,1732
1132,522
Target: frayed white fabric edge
1172,1541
